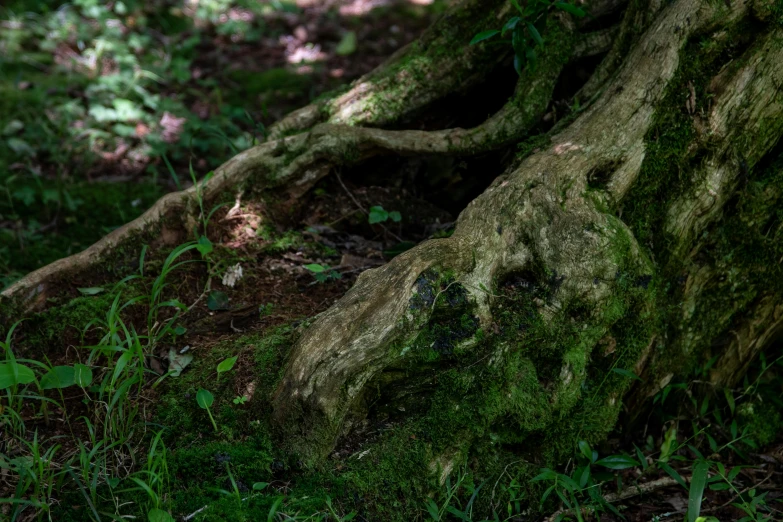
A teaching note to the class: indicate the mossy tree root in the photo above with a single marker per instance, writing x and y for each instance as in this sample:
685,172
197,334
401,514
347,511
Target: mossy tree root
546,220
296,162
518,318
740,129
440,64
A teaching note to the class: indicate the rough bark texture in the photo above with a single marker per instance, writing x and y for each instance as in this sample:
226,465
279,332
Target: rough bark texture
552,217
643,233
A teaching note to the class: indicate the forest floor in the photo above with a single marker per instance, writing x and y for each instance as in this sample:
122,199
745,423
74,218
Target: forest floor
104,108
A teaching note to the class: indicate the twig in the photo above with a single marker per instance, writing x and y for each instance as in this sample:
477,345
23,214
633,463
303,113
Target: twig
350,195
193,515
238,216
501,476
740,494
630,491
647,487
207,288
395,236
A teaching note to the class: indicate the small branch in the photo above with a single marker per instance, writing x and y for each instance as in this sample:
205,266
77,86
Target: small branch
356,202
350,195
630,491
207,288
734,499
186,518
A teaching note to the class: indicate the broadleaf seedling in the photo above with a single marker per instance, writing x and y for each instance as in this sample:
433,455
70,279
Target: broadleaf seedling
158,515
379,215
82,375
9,377
526,39
204,398
58,377
322,273
226,365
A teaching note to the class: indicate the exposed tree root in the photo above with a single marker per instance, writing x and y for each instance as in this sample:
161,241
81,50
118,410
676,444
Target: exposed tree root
436,65
549,222
634,22
300,160
745,122
743,125
539,214
417,76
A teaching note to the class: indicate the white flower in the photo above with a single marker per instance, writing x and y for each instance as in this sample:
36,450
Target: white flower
232,275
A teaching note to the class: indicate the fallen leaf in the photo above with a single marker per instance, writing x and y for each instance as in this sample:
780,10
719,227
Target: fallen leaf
217,301
178,362
94,290
155,365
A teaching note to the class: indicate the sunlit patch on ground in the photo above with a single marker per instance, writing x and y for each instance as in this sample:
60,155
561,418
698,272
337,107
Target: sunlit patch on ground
116,94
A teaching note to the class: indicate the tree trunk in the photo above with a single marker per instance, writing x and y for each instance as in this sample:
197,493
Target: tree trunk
642,233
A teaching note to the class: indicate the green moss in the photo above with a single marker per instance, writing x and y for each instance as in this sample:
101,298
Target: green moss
185,420
88,212
667,174
769,11
199,459
62,325
388,478
666,170
521,397
760,421
743,251
399,85
280,242
276,79
206,465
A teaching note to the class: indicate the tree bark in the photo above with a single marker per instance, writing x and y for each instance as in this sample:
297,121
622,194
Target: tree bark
643,234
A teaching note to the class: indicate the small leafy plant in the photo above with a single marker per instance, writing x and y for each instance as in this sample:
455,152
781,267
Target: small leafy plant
267,309
334,513
204,398
379,215
323,273
582,487
226,365
525,29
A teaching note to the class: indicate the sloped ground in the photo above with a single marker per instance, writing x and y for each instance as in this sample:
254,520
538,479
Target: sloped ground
104,107
236,469
224,463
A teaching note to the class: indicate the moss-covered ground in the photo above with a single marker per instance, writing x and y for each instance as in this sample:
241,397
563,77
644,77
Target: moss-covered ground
507,421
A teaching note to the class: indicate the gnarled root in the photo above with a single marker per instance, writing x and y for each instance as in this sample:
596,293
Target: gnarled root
543,289
294,163
540,219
